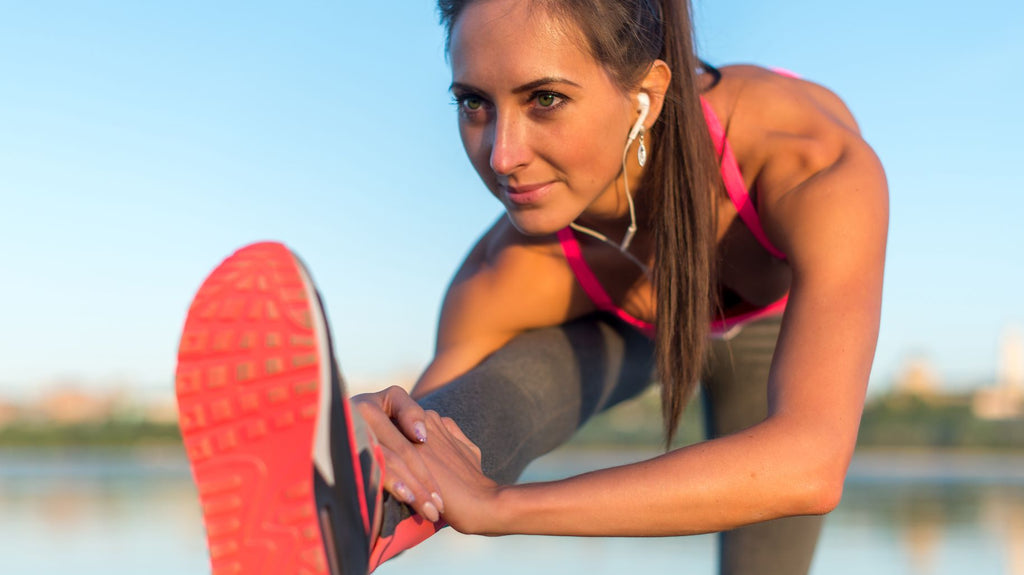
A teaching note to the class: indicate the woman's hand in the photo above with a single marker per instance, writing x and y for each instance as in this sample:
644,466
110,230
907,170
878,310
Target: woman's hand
400,425
455,462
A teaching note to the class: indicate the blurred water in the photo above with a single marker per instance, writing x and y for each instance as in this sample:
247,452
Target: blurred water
96,512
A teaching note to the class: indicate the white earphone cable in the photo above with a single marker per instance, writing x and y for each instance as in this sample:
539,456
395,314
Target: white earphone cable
631,230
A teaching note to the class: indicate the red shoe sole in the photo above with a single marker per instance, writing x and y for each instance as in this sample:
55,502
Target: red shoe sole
247,383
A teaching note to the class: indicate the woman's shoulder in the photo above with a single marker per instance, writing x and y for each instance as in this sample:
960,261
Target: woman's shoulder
509,283
790,126
504,258
796,140
755,97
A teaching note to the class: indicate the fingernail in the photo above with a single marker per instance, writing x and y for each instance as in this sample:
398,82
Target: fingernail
420,431
437,501
430,512
404,493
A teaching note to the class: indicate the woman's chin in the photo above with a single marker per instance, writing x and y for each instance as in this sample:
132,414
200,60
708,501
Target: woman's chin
535,223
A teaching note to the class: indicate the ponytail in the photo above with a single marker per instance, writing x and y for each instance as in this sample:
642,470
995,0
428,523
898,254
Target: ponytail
683,176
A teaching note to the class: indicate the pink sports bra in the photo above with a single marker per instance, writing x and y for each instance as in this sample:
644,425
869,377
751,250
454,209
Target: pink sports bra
740,197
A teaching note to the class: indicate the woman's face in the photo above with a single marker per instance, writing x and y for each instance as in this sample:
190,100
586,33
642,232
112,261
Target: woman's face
542,122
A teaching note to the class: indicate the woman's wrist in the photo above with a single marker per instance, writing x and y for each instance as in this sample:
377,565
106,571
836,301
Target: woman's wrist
498,516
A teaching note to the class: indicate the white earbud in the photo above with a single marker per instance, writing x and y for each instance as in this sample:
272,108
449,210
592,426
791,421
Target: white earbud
644,102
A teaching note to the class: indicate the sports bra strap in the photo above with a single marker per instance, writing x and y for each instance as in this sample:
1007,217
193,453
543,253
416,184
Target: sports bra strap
734,184
592,286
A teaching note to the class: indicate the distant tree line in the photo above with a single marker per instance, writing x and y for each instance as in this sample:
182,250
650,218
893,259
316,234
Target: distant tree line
890,421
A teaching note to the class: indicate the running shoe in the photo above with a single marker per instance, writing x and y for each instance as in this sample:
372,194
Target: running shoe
288,476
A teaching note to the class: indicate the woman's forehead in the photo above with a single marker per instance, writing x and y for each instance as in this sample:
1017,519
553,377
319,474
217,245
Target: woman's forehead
513,42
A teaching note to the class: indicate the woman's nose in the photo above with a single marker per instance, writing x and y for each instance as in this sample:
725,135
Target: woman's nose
509,149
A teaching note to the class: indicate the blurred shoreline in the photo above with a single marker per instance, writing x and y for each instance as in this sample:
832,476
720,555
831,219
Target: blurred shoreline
901,419
941,467
915,412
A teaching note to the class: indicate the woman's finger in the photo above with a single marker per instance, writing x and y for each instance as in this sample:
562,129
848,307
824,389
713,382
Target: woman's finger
416,476
396,480
403,484
406,413
454,429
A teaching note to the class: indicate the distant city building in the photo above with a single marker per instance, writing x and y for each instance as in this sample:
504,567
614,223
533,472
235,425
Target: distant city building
161,411
1011,359
9,412
71,406
917,377
1004,400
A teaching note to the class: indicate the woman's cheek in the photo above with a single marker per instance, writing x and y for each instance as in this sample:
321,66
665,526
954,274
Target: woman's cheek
478,156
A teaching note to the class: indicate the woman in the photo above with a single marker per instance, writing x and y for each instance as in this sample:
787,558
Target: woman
632,186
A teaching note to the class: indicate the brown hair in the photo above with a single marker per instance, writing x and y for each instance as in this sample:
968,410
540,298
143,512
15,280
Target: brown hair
626,36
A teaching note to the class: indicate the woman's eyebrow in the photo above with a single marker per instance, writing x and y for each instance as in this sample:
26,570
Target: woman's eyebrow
463,88
530,86
527,87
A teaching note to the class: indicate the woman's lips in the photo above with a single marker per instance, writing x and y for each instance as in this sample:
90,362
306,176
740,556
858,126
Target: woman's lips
525,195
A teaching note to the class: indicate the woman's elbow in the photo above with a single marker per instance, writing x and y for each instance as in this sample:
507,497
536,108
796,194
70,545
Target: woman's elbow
825,498
813,485
822,491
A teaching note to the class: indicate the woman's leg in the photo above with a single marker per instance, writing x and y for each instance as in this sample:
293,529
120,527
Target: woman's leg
533,394
735,392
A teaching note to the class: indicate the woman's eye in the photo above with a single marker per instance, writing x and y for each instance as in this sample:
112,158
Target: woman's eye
472,103
548,99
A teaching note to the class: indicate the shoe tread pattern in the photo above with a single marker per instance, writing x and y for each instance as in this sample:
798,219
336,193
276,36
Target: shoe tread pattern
247,383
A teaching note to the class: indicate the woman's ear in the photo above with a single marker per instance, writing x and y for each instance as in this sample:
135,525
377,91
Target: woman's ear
655,85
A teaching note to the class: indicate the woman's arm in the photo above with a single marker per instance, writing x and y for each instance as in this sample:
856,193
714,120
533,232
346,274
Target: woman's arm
833,227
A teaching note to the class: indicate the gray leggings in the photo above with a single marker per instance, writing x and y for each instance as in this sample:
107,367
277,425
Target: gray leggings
531,396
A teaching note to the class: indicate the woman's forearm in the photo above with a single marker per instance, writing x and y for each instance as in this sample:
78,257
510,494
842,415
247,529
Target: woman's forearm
765,472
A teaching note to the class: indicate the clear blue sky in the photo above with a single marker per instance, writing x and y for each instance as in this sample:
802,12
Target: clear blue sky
140,143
